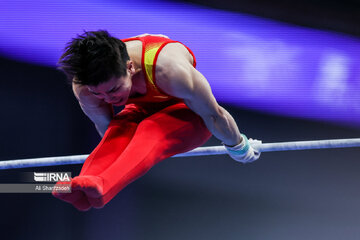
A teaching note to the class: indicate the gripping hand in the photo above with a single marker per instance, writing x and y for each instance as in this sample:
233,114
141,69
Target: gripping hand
243,152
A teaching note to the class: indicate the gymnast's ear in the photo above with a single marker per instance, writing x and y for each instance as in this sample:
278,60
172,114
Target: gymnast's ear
130,67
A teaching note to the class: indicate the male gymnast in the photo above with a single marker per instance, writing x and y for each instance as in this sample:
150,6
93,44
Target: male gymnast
168,109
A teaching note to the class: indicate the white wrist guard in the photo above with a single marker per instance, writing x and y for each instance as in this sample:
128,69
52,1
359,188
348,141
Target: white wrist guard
243,152
241,149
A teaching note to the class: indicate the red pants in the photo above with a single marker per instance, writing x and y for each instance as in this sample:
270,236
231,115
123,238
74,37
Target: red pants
136,139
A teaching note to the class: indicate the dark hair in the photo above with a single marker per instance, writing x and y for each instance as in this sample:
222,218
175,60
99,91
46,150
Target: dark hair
93,58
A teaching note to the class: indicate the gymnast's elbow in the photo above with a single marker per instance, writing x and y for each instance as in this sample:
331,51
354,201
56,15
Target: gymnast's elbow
216,116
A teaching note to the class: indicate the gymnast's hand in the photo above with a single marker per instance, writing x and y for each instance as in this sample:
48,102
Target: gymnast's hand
243,152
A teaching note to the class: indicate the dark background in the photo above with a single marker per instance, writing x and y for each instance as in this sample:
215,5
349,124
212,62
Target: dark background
285,195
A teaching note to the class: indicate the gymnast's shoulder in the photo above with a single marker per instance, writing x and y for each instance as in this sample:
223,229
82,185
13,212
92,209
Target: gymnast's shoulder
176,75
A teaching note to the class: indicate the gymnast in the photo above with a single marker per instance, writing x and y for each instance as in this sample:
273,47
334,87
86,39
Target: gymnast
168,109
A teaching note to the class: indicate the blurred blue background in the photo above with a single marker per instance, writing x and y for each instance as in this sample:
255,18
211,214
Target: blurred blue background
285,71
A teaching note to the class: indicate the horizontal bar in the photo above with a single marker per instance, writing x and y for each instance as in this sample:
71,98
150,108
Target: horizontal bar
201,151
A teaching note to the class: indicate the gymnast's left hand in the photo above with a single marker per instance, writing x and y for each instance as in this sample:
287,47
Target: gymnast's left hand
244,152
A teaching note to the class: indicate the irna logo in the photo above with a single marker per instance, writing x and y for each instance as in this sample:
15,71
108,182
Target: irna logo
52,176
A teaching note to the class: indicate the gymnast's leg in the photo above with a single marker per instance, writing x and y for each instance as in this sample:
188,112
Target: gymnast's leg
170,131
118,135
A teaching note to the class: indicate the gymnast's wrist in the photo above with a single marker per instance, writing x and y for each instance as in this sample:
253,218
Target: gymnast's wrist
233,142
239,149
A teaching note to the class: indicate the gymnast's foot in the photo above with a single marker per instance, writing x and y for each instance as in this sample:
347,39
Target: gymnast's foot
92,188
76,198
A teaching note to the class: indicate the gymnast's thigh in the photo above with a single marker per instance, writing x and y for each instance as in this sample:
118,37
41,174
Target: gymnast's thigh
173,130
116,138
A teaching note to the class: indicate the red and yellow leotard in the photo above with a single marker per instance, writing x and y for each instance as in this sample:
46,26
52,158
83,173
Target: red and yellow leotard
151,47
137,138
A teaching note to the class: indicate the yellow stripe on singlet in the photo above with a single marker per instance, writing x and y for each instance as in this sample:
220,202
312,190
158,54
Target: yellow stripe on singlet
149,57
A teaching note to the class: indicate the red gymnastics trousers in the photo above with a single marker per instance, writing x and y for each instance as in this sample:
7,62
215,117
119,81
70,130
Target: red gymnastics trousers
137,138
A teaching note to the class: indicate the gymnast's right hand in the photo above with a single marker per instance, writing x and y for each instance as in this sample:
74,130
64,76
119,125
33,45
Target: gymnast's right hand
243,152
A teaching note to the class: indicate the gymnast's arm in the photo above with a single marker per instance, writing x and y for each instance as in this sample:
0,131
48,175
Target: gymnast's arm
182,80
99,112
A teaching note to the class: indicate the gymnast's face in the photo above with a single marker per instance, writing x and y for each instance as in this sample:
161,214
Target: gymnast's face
115,91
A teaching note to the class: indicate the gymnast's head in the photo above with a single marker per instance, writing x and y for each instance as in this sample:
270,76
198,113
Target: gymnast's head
101,62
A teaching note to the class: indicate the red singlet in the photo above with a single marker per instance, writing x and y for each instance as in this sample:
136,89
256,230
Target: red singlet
137,138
